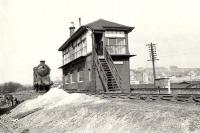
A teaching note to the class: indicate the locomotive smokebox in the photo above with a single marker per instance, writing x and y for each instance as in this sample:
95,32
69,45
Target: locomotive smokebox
43,69
41,77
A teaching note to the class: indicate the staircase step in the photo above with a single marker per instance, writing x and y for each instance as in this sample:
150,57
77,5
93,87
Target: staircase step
109,75
112,83
114,89
110,78
113,86
108,72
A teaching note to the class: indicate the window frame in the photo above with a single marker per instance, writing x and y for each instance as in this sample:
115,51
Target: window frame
116,48
108,43
72,78
76,49
68,77
78,74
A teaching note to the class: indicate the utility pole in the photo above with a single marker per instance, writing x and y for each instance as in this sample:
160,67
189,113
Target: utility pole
153,58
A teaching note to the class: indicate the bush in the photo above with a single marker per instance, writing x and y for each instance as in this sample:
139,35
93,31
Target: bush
25,88
9,87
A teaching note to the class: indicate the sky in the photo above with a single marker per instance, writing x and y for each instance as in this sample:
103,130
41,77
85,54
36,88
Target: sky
33,30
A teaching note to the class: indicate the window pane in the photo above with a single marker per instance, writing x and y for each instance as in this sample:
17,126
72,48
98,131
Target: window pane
73,77
89,75
112,41
80,74
67,79
120,41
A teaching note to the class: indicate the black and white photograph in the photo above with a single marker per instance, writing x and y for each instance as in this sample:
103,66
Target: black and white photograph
99,66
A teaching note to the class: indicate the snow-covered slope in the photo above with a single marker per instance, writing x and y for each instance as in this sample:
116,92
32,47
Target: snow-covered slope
59,112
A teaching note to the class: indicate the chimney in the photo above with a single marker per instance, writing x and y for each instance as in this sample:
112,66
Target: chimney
72,29
42,62
79,22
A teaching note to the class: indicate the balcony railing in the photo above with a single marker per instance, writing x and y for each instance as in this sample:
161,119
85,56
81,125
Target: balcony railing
117,49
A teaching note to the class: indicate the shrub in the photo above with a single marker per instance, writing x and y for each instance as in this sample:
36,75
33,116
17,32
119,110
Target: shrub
9,87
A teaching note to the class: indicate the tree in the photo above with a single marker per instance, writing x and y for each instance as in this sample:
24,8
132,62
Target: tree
9,87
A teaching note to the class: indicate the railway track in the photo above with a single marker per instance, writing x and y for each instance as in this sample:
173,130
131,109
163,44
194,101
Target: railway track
179,98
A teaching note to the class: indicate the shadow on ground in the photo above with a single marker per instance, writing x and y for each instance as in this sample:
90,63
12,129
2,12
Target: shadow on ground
6,110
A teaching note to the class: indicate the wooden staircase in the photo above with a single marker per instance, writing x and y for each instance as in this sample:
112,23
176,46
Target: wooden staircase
111,82
107,72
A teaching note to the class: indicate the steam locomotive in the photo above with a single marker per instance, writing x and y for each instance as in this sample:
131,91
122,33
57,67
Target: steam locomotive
41,78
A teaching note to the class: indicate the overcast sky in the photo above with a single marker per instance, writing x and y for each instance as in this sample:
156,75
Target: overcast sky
31,30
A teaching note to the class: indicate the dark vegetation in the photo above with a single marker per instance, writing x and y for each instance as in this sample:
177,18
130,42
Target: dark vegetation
17,90
10,87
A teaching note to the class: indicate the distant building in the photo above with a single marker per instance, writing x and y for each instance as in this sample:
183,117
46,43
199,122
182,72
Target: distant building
96,58
175,73
139,77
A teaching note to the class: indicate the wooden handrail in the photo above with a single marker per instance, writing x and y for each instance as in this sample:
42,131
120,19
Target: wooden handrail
112,67
101,70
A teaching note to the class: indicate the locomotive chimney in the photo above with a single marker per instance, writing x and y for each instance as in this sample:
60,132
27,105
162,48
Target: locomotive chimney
72,28
42,62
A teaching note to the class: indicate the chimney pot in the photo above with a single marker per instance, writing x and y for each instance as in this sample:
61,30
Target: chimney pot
72,29
79,22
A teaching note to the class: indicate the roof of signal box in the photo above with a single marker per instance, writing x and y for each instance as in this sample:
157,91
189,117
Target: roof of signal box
98,25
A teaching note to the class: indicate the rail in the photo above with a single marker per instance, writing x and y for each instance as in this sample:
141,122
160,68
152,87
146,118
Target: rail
174,98
177,98
112,67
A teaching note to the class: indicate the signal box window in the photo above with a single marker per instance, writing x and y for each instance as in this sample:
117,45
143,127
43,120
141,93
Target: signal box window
116,46
73,77
80,75
67,79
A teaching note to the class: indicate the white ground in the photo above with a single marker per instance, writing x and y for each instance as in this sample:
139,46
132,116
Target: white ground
60,112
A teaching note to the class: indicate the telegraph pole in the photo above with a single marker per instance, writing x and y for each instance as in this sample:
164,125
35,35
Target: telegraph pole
153,58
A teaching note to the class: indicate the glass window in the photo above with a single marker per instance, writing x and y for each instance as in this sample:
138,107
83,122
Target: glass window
78,48
89,74
112,41
114,34
70,77
80,75
73,77
116,46
120,41
116,41
67,79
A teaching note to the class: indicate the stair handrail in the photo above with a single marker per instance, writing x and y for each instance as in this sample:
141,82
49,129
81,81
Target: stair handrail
101,70
112,67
